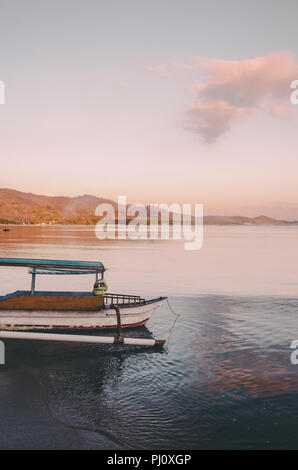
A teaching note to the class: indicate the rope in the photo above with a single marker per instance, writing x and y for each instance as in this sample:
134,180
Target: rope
177,315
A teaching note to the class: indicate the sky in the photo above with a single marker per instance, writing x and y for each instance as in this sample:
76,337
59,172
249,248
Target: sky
161,101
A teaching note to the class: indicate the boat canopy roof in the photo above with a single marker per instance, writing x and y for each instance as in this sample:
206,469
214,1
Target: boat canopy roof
94,266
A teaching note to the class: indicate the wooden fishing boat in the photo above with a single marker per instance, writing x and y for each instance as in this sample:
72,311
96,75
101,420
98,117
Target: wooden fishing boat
38,310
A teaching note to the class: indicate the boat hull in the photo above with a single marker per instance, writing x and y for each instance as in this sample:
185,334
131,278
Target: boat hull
132,316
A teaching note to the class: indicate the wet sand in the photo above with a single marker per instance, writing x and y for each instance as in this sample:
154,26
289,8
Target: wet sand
26,421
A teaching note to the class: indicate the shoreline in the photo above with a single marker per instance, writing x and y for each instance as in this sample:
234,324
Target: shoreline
206,223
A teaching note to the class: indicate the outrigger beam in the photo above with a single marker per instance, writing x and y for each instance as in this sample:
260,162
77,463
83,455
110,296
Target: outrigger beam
81,338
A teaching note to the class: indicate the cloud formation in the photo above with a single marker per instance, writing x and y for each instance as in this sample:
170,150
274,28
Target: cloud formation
161,70
236,89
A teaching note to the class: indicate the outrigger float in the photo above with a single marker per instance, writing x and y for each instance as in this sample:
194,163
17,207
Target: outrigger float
52,310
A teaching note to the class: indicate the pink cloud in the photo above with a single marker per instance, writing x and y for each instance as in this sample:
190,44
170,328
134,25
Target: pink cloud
236,89
161,70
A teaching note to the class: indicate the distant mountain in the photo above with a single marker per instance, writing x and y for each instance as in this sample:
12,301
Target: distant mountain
240,220
17,207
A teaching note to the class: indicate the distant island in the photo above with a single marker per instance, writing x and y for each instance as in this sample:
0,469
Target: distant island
17,207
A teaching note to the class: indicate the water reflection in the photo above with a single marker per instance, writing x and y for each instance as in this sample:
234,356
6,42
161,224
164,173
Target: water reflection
223,381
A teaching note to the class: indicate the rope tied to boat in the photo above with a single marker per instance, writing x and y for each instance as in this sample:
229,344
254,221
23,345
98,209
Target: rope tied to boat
177,315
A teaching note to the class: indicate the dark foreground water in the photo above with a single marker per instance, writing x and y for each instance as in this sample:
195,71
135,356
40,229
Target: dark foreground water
223,381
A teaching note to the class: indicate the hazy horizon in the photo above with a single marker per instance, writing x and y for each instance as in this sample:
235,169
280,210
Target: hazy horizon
154,201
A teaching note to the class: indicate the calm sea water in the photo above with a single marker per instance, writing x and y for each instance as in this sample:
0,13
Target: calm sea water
224,379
